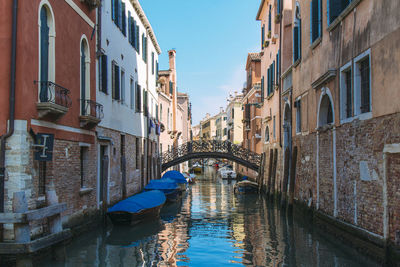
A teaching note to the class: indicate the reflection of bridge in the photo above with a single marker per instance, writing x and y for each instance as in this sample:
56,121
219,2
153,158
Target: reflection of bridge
211,149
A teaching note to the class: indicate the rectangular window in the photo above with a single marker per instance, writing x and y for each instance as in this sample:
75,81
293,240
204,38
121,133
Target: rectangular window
296,41
262,36
152,63
335,7
145,104
84,160
144,48
262,88
362,84
138,98
122,86
132,91
115,81
137,39
297,105
103,74
274,127
346,92
278,68
156,71
171,88
42,178
316,20
123,19
269,20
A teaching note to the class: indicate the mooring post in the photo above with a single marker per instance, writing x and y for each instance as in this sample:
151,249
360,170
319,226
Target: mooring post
55,223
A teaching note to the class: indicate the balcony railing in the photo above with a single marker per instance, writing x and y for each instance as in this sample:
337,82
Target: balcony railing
91,108
54,100
91,113
53,93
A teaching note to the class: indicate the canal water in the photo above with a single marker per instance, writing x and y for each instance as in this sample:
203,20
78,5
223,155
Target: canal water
211,227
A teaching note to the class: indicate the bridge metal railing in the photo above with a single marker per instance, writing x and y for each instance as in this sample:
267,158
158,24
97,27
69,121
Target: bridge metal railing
211,146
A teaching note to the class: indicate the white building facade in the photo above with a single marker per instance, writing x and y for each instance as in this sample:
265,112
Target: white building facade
126,86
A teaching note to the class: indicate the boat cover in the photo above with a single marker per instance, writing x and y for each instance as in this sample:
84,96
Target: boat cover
141,201
177,176
162,184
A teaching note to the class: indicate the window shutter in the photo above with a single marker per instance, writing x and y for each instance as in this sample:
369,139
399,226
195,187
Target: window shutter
143,51
262,36
129,27
117,83
152,63
277,67
104,76
268,81
299,40
123,17
262,89
319,18
156,71
269,19
334,10
273,76
113,10
119,14
295,43
315,27
278,7
137,38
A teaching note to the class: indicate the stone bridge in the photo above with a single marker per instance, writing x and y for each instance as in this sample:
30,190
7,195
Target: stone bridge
211,149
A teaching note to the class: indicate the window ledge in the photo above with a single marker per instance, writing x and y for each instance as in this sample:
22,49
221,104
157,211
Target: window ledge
316,43
325,127
343,15
85,191
296,63
270,96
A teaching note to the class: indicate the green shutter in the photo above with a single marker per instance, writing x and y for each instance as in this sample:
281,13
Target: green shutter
104,77
262,89
117,83
123,18
44,55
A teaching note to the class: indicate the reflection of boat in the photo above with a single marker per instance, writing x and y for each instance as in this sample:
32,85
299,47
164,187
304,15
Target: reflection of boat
137,208
125,235
227,173
244,187
169,212
168,186
191,178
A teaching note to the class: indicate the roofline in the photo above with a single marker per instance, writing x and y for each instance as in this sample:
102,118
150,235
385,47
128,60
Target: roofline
136,5
260,9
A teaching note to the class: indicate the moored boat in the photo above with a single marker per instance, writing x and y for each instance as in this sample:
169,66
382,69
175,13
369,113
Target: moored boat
245,187
137,208
168,186
177,177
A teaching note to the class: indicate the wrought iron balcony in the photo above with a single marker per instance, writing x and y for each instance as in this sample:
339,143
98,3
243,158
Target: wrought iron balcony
91,113
54,100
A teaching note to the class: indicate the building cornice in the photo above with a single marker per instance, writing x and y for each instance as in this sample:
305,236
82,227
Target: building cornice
136,5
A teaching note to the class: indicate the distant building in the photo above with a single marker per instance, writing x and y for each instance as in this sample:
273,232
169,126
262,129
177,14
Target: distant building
221,130
234,113
196,132
251,102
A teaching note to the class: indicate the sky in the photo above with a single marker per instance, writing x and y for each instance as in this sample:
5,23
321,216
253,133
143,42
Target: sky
212,39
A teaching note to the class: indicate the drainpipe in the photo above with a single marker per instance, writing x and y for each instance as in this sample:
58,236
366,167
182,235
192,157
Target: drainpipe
280,80
10,130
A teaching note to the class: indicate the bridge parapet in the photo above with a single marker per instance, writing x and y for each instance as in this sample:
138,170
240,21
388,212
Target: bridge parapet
211,148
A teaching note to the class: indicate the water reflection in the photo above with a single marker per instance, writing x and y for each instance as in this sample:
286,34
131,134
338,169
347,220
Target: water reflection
211,227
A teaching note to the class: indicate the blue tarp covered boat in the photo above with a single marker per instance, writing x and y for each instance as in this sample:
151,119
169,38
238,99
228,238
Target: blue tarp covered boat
138,207
168,186
175,175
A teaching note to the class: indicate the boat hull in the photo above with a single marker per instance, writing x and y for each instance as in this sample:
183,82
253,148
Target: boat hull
246,188
123,217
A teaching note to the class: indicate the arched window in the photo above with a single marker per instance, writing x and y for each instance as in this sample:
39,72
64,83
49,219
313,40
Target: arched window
297,34
325,111
85,76
266,138
46,52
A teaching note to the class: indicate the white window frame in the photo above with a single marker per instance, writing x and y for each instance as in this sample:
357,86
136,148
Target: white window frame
343,100
357,87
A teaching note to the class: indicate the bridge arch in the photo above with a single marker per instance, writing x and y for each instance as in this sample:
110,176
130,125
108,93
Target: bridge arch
211,149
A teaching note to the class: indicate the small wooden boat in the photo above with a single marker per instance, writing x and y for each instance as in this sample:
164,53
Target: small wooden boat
168,186
245,187
197,168
178,178
137,208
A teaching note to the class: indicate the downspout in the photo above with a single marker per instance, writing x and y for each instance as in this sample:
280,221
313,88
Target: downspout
280,80
10,130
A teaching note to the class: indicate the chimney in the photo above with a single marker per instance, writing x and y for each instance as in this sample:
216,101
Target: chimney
171,55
